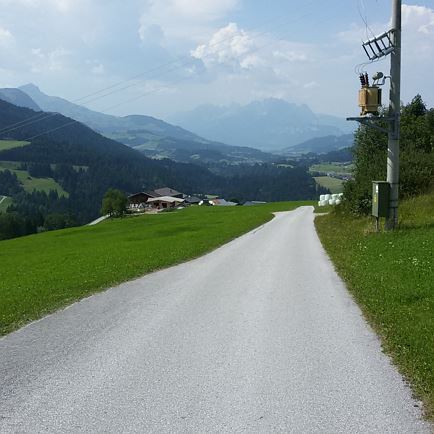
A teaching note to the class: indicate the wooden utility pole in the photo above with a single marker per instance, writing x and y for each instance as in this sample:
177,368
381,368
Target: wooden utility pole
394,114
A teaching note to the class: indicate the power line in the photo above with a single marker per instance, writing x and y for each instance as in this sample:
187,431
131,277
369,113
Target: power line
38,118
161,87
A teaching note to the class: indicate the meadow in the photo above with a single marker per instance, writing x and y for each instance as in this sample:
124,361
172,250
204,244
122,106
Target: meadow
391,276
31,183
333,184
11,144
44,272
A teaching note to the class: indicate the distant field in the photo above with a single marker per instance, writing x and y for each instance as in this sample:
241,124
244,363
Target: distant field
41,273
391,275
5,202
333,184
341,169
30,183
10,144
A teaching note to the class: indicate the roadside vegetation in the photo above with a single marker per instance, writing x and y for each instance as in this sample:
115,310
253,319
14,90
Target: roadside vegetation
44,272
391,274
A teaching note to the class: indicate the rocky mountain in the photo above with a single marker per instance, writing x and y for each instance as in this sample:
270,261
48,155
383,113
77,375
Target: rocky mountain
269,125
153,137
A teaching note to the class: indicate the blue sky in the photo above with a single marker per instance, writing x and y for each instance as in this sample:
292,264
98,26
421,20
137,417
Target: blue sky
206,51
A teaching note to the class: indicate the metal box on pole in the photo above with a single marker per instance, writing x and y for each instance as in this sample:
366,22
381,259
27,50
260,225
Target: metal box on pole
380,198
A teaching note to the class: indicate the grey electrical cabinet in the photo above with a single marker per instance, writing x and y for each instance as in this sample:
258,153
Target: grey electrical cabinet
380,198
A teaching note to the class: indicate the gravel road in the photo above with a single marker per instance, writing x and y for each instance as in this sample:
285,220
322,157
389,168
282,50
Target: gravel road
259,336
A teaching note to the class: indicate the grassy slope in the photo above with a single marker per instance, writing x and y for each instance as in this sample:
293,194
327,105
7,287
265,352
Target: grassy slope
392,277
10,144
332,167
31,183
41,273
5,203
333,184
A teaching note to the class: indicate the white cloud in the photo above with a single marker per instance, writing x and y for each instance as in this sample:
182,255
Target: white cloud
182,20
290,56
52,61
229,45
311,85
418,18
60,5
208,10
6,37
98,69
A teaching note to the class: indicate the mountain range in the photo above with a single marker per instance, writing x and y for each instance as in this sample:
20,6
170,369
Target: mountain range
151,136
273,125
270,125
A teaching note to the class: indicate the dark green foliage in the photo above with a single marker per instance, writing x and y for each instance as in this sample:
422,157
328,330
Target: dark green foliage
9,184
416,155
58,221
114,203
11,226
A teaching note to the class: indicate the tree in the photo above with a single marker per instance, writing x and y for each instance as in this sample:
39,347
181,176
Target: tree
114,203
416,157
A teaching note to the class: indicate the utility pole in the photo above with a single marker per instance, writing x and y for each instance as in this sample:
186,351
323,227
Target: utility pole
394,114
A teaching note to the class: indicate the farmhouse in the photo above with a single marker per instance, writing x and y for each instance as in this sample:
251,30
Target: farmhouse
165,202
138,200
166,191
192,200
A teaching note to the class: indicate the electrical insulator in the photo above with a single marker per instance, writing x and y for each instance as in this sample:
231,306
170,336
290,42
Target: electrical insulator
367,79
362,80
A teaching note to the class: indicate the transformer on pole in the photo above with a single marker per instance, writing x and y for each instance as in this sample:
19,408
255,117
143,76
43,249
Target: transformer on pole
388,43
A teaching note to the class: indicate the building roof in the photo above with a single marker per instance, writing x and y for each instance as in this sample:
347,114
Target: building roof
253,202
192,199
141,193
167,199
222,202
166,191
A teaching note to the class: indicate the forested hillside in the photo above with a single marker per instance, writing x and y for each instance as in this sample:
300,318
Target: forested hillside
85,165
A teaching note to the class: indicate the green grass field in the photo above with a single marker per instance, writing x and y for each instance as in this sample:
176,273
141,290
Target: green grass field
41,273
11,144
391,275
31,183
333,184
5,202
338,168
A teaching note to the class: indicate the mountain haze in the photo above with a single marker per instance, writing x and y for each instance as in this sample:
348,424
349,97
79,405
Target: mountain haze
270,125
153,137
321,145
18,98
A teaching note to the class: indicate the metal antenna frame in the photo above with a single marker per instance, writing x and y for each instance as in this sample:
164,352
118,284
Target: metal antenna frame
379,47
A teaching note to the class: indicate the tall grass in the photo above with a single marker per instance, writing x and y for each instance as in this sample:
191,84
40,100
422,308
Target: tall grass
391,275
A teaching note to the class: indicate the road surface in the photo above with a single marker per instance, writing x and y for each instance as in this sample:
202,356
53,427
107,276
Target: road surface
259,336
98,220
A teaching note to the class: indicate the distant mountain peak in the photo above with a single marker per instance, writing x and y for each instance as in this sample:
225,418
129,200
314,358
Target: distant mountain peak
30,87
18,98
269,124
